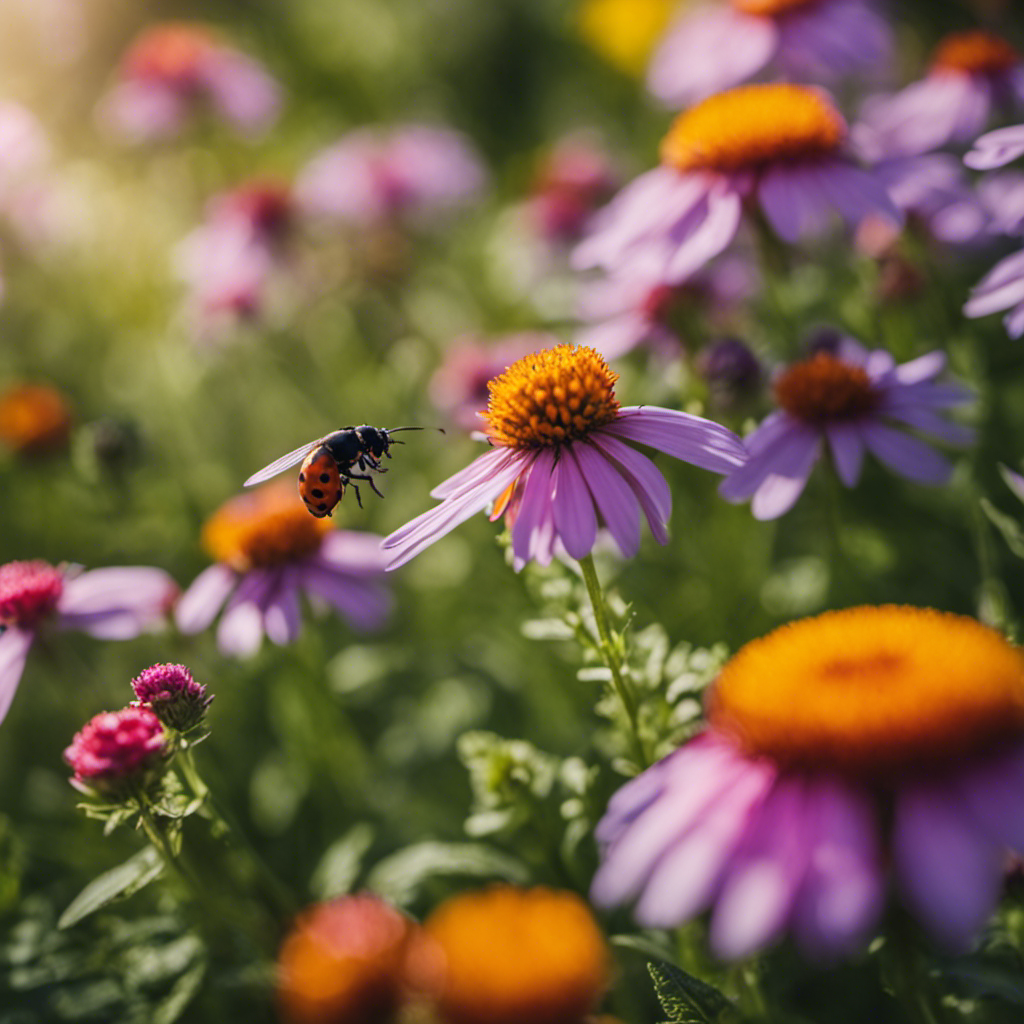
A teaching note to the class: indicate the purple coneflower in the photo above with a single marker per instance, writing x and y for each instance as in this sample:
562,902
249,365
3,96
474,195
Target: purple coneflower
229,262
840,750
850,399
632,308
174,69
115,750
779,146
972,74
560,463
112,604
996,149
717,48
1002,288
406,171
268,551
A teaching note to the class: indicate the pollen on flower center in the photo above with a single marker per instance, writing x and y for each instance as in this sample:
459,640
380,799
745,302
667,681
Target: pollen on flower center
873,691
551,397
262,529
975,53
168,52
29,591
753,125
769,8
823,389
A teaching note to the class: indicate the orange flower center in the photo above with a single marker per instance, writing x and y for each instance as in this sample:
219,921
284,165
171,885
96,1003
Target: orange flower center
265,528
34,419
873,691
172,52
745,128
975,53
518,956
769,8
823,389
551,397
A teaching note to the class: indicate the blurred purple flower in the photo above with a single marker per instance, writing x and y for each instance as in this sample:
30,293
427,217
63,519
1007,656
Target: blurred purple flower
115,749
459,386
269,551
111,604
560,464
717,48
407,171
849,400
175,69
630,308
732,371
779,146
574,178
972,75
1002,195
793,823
996,149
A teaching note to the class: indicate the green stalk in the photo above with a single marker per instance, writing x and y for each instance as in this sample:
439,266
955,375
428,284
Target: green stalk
610,656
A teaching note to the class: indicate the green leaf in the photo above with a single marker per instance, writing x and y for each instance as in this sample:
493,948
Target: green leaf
399,876
122,881
183,992
686,999
1011,530
340,865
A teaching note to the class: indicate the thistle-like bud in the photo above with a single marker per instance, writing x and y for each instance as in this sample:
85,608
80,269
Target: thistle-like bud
116,750
171,693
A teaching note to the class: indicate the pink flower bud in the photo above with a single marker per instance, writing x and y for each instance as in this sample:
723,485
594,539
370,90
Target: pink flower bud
171,693
114,748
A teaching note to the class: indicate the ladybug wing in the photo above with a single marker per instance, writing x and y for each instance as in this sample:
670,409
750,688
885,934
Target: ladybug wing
320,485
283,463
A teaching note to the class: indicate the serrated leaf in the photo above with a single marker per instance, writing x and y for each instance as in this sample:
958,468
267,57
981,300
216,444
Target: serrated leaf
125,879
686,999
399,876
1009,527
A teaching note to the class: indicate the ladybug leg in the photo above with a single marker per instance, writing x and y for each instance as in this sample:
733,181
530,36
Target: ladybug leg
359,500
369,480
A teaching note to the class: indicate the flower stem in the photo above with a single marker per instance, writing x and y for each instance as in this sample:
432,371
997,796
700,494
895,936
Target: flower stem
158,838
610,656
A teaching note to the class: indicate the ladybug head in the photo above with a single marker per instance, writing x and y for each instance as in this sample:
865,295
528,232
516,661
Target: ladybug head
374,440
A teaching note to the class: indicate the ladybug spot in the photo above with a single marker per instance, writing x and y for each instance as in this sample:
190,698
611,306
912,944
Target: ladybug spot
322,506
325,478
302,478
317,493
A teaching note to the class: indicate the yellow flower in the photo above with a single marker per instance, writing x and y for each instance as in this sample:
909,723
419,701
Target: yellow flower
624,31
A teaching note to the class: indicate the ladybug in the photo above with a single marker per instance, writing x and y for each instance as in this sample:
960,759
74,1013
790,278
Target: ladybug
329,464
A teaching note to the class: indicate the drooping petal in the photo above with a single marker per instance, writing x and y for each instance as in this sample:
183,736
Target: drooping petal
847,451
948,869
996,149
365,603
764,875
240,631
199,605
930,422
780,490
649,486
844,890
792,202
573,507
690,438
906,455
354,552
282,620
135,589
478,470
832,38
706,232
535,503
616,501
14,647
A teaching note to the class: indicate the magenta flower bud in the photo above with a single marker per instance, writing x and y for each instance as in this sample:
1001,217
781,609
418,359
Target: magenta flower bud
29,591
115,749
171,693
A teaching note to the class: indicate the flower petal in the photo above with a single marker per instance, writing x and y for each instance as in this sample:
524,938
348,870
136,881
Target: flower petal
847,451
690,438
573,507
141,590
534,505
14,647
649,486
615,499
907,455
199,605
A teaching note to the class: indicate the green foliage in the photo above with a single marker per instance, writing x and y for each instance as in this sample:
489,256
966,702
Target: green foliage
686,999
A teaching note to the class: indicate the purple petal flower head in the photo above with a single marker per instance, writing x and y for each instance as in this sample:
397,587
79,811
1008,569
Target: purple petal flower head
904,761
973,74
111,604
174,70
1002,288
722,46
406,172
560,465
853,401
632,307
575,177
781,147
732,371
268,551
170,692
117,752
996,149
459,386
232,261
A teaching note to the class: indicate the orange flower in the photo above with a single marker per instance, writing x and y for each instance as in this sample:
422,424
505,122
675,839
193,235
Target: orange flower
34,419
517,956
344,962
